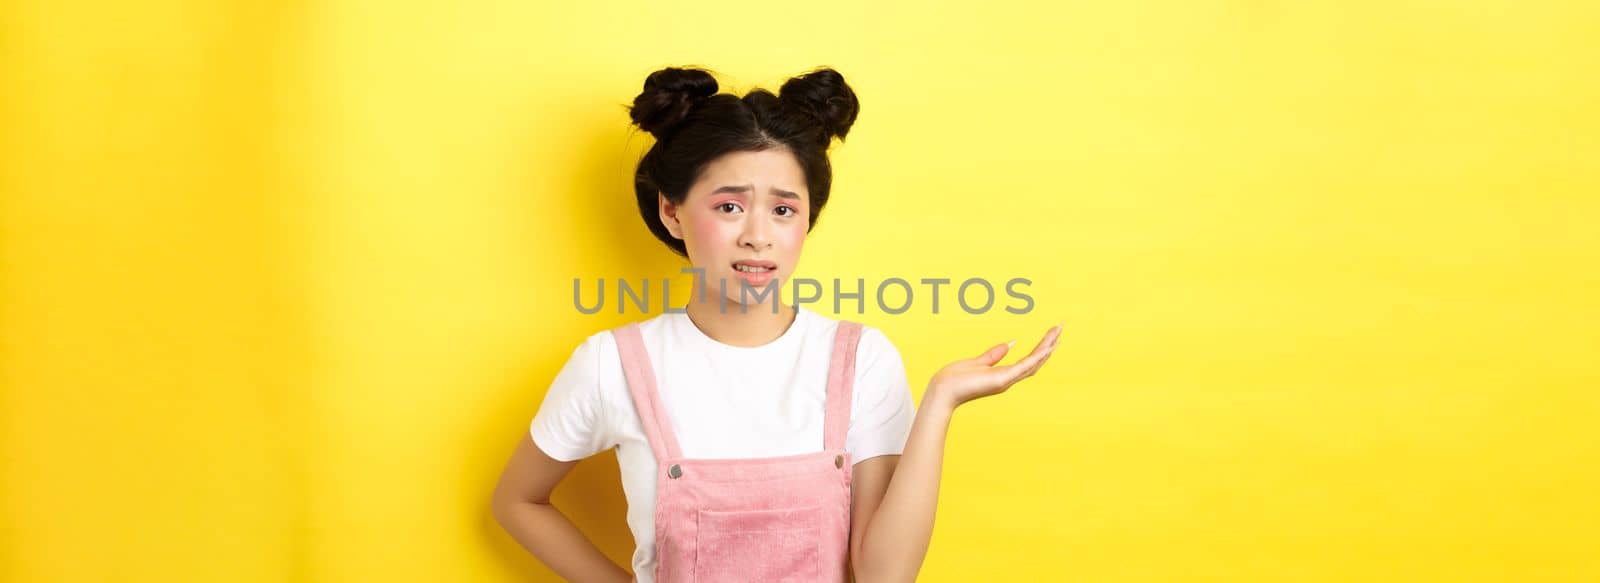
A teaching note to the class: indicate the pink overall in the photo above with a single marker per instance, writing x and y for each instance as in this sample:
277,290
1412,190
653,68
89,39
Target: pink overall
783,518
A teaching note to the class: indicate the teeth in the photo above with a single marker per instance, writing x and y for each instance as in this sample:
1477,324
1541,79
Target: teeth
749,268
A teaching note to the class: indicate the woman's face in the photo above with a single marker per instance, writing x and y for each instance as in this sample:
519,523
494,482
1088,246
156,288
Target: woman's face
743,222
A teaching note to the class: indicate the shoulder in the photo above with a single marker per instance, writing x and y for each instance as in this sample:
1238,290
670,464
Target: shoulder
603,345
596,347
879,366
597,361
875,343
604,350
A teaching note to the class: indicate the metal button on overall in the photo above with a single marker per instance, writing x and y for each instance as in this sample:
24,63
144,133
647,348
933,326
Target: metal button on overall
727,522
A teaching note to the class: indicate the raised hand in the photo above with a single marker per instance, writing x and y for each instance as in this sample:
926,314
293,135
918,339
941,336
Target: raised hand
972,378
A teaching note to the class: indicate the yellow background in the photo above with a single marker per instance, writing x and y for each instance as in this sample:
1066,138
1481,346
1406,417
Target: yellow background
281,283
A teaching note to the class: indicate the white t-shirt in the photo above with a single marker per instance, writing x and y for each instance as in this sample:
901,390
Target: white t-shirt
723,402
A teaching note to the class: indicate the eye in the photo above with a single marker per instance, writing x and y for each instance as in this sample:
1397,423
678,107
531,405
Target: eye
728,204
791,210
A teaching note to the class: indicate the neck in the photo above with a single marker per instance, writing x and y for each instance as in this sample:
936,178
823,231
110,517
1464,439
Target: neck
725,321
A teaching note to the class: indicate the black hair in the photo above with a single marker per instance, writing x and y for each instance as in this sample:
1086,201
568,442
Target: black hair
693,125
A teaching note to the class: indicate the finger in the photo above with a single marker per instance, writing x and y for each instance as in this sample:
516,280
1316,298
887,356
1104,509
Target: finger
1027,366
1048,342
993,355
1032,370
1014,376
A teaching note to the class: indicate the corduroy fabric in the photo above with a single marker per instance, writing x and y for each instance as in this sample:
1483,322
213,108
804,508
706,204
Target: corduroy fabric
783,519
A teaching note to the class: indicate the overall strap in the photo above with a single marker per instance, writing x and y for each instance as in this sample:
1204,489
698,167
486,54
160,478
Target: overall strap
642,385
841,380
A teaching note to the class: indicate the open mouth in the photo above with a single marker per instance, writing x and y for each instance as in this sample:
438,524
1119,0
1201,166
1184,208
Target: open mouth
754,266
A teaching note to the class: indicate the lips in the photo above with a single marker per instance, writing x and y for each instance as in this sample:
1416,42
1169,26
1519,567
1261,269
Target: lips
755,272
754,265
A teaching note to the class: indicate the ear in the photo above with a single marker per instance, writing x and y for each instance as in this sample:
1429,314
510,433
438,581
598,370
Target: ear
669,215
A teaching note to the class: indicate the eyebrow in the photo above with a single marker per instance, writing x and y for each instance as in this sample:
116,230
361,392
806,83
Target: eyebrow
747,188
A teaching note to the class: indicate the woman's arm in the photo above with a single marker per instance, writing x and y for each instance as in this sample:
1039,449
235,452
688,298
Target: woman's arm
522,507
890,531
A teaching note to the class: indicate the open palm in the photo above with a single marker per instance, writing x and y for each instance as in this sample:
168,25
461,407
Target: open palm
972,378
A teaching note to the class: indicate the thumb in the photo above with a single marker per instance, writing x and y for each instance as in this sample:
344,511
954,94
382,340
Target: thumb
993,355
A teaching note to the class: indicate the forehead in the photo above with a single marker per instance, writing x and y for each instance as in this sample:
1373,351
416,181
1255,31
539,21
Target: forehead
764,170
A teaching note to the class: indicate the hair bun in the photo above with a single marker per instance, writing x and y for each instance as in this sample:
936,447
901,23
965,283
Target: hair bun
668,96
824,97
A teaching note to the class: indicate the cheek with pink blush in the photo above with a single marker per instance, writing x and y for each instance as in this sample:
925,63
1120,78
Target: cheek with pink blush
711,233
790,236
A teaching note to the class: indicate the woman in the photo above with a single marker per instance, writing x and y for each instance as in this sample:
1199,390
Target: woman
718,411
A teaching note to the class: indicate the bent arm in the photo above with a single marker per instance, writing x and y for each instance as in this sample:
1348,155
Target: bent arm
522,506
891,536
894,532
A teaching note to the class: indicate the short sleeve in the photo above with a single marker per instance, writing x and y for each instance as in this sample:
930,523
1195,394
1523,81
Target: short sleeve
572,423
881,409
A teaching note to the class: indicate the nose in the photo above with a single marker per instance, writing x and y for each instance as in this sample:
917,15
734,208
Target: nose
755,235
